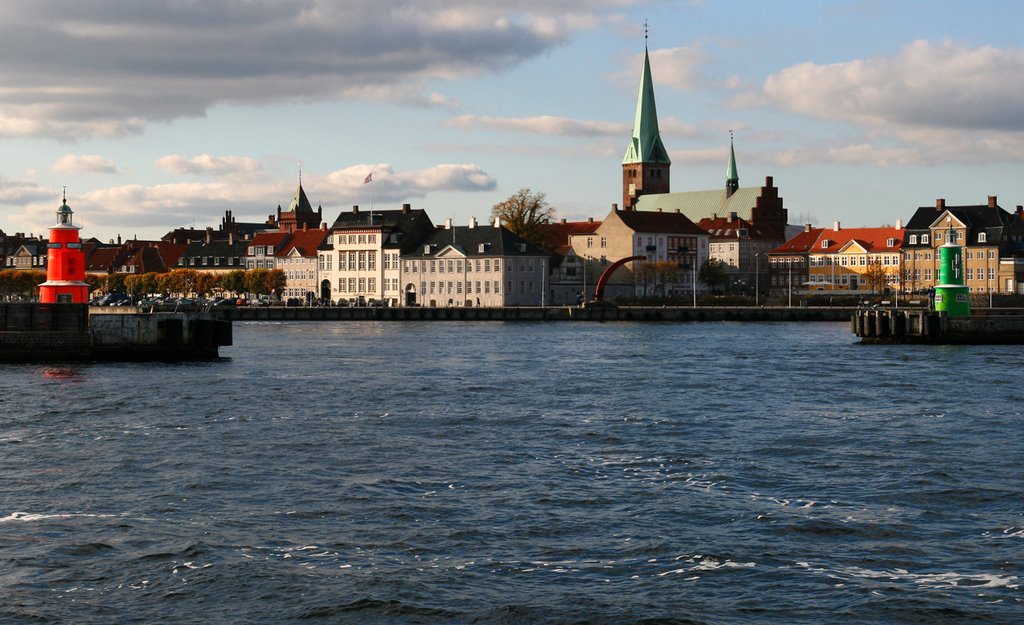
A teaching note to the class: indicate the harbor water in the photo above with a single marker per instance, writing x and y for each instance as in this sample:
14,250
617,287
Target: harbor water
515,473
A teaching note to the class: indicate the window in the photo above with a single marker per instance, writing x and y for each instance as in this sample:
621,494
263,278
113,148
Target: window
371,284
352,285
497,267
362,285
604,241
341,285
371,238
924,239
487,264
362,239
371,258
362,262
351,261
982,237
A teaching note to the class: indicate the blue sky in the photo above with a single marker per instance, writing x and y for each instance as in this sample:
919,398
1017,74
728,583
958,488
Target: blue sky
165,113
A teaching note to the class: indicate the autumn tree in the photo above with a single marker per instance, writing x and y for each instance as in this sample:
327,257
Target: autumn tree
528,215
877,276
274,282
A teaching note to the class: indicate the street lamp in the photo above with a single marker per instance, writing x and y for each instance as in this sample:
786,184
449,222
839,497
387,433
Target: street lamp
757,279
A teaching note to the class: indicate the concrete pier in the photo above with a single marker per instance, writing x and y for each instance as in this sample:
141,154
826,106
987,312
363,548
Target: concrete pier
33,332
888,325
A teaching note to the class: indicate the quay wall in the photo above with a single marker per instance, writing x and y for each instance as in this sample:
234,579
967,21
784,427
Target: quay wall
874,326
34,332
550,313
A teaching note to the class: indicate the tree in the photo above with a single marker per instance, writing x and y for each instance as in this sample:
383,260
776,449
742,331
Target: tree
256,282
528,215
712,273
274,282
647,274
877,276
234,281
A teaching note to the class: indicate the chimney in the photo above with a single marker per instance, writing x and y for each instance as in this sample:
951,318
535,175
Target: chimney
448,224
355,209
940,204
1020,209
323,226
119,239
563,220
807,227
991,201
472,222
835,226
899,224
615,206
768,181
658,209
497,222
590,220
732,216
231,237
209,234
406,208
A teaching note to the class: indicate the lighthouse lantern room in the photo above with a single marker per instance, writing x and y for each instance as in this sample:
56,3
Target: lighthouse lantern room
65,262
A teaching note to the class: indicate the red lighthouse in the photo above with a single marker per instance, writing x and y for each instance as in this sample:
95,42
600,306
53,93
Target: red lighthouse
65,263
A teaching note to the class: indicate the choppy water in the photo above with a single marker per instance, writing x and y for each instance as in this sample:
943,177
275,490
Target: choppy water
551,473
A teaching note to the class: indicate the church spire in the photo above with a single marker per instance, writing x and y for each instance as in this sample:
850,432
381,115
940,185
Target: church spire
732,176
645,166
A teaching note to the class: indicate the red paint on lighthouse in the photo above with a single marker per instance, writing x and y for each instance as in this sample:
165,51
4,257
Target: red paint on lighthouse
65,263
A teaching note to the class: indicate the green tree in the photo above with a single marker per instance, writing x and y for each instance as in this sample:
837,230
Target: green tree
234,281
255,282
528,215
274,282
712,273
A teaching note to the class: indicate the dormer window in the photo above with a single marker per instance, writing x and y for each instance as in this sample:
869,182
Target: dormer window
924,239
913,239
890,242
825,244
982,237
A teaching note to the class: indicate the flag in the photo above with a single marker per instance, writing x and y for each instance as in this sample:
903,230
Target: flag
368,178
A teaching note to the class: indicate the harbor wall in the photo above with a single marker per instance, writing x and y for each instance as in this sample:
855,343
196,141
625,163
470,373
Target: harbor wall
34,332
937,327
550,313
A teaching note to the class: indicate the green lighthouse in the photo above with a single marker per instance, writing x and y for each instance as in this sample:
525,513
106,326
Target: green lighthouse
951,295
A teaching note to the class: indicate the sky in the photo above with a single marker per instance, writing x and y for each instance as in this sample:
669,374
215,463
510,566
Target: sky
162,114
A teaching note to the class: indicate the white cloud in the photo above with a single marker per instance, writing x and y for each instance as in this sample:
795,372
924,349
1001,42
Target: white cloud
83,164
152,210
207,164
926,84
541,125
73,70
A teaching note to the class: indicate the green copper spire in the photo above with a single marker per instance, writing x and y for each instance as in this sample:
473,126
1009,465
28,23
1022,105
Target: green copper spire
300,203
645,145
732,176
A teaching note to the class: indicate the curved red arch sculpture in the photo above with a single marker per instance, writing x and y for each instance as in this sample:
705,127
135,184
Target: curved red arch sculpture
599,289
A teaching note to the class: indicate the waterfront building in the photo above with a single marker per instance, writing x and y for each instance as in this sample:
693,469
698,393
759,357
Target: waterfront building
788,264
359,261
214,255
30,255
992,240
844,260
65,264
742,249
674,248
298,257
568,280
261,253
132,257
475,266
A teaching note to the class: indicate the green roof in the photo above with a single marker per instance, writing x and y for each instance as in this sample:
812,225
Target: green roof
645,146
300,203
699,205
731,174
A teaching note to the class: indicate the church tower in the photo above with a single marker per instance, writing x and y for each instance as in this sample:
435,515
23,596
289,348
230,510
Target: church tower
645,167
732,176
